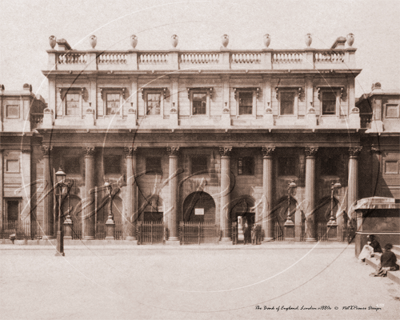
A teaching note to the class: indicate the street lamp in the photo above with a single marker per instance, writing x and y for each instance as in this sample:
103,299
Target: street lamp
61,184
332,220
110,225
292,185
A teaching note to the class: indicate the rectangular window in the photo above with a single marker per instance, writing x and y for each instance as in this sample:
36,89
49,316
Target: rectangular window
153,104
245,103
287,166
72,165
112,164
199,164
329,166
199,103
392,111
391,167
12,165
12,210
287,103
12,112
112,103
328,103
72,104
153,165
246,166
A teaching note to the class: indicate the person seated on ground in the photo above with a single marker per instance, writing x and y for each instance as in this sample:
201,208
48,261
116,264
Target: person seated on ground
372,248
388,262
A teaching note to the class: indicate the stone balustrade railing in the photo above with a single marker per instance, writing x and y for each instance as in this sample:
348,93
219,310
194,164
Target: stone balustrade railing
223,60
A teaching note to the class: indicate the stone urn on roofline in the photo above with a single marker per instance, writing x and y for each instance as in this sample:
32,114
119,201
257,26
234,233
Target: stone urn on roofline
52,41
267,40
134,41
308,39
225,40
93,41
350,39
174,40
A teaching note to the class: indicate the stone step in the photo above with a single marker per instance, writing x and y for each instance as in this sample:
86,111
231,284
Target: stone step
392,275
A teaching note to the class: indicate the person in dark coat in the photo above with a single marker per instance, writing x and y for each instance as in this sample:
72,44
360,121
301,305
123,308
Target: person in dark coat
388,262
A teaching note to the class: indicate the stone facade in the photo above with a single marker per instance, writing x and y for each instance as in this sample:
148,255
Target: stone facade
201,136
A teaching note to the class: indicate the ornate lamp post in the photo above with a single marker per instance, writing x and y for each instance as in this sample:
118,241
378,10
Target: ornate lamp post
289,225
110,225
332,225
61,184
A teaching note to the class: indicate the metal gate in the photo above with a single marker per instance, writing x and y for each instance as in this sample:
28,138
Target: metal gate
198,232
278,231
322,231
149,232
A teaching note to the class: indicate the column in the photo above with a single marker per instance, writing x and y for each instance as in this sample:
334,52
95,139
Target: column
310,193
129,223
352,191
225,192
173,195
88,201
267,220
47,193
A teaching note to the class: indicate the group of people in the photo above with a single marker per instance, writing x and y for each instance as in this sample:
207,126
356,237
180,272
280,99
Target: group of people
388,260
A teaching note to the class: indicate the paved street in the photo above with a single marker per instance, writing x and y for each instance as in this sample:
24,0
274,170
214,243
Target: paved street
187,283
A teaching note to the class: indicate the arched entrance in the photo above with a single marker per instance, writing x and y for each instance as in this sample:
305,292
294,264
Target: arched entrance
322,213
280,215
199,207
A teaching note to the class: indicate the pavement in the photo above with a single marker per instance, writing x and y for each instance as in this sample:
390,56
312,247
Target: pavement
274,281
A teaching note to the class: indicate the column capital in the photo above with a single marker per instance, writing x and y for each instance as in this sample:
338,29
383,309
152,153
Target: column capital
225,151
311,151
376,150
267,151
173,151
46,149
130,151
89,151
354,151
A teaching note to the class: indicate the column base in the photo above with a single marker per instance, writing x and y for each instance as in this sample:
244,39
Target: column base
58,254
311,240
44,237
130,238
173,242
67,238
109,238
226,239
268,239
88,238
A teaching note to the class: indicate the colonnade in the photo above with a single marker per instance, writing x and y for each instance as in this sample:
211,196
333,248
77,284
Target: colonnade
88,203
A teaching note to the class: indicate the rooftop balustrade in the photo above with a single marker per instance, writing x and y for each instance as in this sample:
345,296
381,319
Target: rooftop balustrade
68,59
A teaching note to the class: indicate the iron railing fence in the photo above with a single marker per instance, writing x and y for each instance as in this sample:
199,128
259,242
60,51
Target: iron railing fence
151,232
20,229
191,232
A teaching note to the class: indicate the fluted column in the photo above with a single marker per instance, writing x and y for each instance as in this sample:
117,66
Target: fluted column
88,202
225,192
48,220
267,220
172,212
310,193
352,192
129,219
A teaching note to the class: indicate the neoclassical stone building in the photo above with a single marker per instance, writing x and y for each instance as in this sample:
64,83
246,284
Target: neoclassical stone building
200,137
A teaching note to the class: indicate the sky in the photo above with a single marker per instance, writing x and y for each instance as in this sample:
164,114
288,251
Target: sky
25,27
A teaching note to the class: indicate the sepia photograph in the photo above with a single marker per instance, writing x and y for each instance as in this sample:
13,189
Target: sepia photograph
199,159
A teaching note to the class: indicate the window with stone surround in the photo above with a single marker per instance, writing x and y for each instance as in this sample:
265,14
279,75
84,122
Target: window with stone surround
153,165
153,103
199,103
12,207
287,102
12,111
72,104
245,166
329,103
113,103
112,164
199,164
391,167
392,111
287,166
245,102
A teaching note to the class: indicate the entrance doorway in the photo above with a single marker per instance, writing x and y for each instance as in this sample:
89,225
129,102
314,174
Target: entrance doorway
199,207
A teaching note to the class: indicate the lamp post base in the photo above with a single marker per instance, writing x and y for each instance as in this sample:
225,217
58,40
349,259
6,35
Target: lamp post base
60,244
